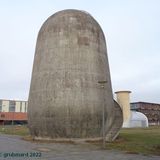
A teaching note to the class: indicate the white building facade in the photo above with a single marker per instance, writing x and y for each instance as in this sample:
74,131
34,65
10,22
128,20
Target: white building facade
13,106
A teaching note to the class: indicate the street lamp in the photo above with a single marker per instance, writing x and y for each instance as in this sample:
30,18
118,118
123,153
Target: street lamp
102,83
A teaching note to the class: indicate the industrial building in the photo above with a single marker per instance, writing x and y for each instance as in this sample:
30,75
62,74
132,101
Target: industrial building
16,111
131,118
71,85
13,112
151,110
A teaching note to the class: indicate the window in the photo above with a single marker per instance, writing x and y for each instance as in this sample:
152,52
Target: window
25,107
134,106
20,106
0,105
2,115
12,106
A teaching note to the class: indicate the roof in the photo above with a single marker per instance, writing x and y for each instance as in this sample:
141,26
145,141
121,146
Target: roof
145,103
138,116
125,91
13,100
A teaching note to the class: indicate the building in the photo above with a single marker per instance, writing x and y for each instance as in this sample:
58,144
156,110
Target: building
71,85
138,119
151,110
131,118
13,111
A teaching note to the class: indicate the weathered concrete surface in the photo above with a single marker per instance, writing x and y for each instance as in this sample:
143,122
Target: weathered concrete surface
114,130
65,98
55,151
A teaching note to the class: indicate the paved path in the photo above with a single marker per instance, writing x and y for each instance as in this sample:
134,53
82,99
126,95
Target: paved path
13,148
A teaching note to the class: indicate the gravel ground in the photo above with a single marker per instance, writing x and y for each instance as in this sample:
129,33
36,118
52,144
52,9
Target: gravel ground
13,147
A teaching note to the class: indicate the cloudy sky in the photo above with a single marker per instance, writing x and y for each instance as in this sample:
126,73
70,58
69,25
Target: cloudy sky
131,27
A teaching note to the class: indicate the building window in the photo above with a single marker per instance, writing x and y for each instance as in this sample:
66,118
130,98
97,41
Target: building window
0,105
134,106
25,109
2,115
20,106
12,106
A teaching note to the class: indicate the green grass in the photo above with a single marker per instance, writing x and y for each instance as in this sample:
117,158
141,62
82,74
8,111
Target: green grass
20,130
138,140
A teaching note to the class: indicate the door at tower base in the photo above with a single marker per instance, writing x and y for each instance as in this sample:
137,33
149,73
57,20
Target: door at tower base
65,99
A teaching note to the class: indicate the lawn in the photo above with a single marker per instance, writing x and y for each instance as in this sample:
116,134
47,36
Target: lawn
20,130
135,140
138,140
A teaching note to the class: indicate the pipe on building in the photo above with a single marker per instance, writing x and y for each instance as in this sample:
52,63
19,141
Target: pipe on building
123,99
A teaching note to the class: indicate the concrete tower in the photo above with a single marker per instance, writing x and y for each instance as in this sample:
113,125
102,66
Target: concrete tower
65,98
123,99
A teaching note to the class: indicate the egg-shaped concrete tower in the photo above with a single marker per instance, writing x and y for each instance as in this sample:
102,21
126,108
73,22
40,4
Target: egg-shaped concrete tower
66,99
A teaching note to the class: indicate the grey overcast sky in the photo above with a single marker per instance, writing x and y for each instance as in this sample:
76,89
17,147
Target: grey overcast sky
131,27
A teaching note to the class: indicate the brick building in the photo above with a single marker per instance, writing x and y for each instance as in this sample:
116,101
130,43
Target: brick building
13,112
151,110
